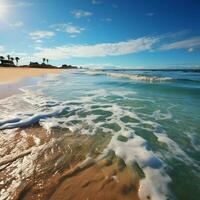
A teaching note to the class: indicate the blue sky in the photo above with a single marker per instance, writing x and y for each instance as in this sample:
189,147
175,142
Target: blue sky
104,33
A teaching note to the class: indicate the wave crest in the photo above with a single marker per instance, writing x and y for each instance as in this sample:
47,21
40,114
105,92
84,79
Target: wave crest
139,77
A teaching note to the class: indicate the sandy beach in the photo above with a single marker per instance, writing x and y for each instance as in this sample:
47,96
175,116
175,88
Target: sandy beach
99,100
82,136
38,165
13,74
11,78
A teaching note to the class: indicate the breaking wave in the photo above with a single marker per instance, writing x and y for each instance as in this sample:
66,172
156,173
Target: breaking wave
102,110
139,77
187,78
88,116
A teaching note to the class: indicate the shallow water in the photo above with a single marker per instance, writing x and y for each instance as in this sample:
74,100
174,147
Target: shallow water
154,122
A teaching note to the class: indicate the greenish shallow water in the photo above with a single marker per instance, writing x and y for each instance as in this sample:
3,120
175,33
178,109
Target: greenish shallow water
154,124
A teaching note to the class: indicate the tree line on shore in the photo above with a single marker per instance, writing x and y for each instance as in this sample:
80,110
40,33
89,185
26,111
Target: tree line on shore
9,61
9,58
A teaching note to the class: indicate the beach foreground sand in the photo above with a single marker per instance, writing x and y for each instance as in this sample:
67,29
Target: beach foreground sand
40,165
56,164
13,74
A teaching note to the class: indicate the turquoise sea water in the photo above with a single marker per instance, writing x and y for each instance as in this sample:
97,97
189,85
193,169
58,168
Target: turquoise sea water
157,111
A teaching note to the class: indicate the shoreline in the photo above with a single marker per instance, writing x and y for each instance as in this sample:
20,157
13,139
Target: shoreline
48,165
9,89
10,75
12,78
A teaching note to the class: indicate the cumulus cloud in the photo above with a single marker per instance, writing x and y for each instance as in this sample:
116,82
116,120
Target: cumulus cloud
69,28
38,35
183,44
74,29
98,50
81,13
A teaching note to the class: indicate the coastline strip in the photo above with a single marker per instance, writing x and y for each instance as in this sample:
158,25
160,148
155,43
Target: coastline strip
14,74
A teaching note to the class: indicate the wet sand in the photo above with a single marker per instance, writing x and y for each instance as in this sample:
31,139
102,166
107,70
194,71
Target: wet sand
10,89
106,179
12,79
40,165
58,165
13,74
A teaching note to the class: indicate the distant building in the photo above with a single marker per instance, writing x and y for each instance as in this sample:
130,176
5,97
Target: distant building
34,64
7,63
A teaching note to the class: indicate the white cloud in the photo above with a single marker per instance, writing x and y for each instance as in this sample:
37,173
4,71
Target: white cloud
17,24
98,50
81,13
191,49
25,58
39,41
109,65
97,65
96,2
38,35
183,44
73,29
69,28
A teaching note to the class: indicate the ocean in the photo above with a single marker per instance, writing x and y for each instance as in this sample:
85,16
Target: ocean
152,115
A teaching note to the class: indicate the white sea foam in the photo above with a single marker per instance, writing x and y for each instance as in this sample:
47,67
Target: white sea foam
158,115
139,77
159,189
24,109
13,123
193,138
94,72
156,180
176,151
134,150
83,115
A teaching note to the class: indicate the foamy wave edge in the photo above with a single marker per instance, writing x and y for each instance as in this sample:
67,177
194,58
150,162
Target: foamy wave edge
139,77
132,151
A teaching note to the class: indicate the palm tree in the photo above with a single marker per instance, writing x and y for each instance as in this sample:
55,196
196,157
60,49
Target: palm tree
47,61
44,59
12,59
17,59
8,56
2,58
